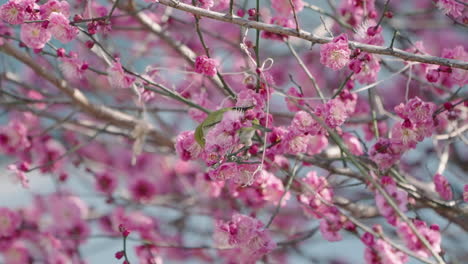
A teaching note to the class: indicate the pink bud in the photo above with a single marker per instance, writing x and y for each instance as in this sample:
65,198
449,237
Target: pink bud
119,254
77,18
89,44
448,106
45,24
252,12
241,12
432,76
61,52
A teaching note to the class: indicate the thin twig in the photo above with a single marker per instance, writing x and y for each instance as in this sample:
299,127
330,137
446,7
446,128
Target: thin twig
306,70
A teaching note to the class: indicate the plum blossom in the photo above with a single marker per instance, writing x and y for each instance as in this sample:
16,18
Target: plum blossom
206,4
19,171
465,193
365,67
442,187
117,77
224,172
106,182
206,66
330,225
317,196
13,12
54,6
246,234
18,253
61,29
280,21
283,7
9,222
398,195
386,152
14,137
142,189
451,7
430,233
67,210
335,55
34,35
353,144
186,146
291,103
72,67
378,251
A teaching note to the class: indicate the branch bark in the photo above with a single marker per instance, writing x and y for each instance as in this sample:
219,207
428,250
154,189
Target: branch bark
100,112
315,39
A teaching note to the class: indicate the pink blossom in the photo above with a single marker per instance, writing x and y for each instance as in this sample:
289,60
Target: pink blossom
279,21
50,155
206,66
186,146
106,182
18,253
80,231
335,55
459,76
335,112
451,7
405,133
416,110
73,68
399,196
316,144
365,67
431,234
442,187
117,77
465,193
19,170
247,173
330,225
316,196
54,6
246,234
386,152
303,122
142,189
13,137
283,7
67,210
206,4
9,222
219,140
291,102
13,12
368,32
295,143
34,35
224,172
61,29
383,253
353,143
148,254
369,130
5,30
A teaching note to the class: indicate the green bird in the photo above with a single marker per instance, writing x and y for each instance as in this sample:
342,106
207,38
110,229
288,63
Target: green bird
212,119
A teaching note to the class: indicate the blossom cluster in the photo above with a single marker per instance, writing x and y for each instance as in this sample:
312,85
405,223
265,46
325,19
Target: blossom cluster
243,239
418,123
